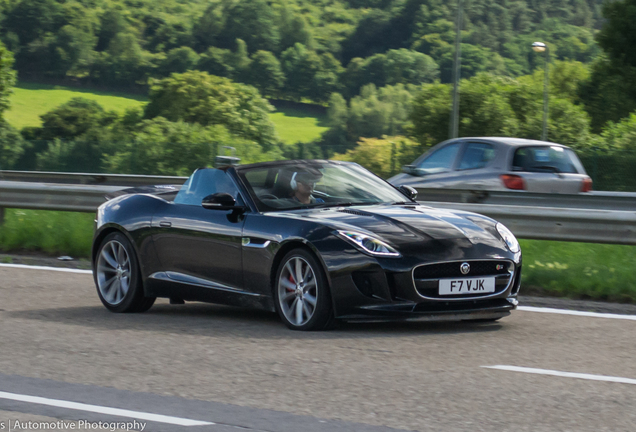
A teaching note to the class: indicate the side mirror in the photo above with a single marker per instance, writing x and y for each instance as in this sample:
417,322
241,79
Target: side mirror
219,201
413,170
408,191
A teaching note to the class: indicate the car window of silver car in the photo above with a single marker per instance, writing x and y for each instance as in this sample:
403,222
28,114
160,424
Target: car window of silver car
543,159
440,161
476,155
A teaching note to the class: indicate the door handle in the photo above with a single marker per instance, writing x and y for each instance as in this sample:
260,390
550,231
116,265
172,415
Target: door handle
165,224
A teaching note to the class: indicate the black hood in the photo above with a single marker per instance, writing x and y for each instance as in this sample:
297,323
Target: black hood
405,224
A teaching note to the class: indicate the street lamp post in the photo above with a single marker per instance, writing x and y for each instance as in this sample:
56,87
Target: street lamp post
541,47
454,123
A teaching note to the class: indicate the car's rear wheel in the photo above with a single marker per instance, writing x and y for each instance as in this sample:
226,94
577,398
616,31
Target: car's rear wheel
301,292
118,278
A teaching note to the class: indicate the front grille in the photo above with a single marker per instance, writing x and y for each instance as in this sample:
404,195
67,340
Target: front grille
462,306
426,277
452,269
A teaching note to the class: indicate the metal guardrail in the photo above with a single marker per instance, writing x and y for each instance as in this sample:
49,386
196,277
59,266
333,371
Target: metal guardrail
48,196
599,217
561,224
89,178
589,200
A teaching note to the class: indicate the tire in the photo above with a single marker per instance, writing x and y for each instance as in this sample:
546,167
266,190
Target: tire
117,276
309,297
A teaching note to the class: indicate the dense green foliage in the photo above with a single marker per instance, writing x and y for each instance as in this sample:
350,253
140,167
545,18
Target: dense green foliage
499,106
11,143
188,117
381,66
197,97
383,157
610,94
373,113
290,48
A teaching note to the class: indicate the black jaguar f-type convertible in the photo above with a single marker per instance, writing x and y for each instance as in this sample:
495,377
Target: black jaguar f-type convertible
315,241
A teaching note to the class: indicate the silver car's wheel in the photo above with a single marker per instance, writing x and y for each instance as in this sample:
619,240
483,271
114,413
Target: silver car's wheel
297,291
113,272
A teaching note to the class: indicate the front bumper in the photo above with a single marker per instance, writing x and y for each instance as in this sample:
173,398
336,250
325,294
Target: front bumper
435,311
388,290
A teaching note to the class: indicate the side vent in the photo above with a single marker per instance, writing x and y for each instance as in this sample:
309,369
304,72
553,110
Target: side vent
372,284
355,212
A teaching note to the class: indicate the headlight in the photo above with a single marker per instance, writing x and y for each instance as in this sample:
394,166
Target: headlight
368,244
509,238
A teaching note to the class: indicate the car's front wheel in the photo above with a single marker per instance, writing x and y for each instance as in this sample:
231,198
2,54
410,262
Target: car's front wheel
301,292
118,278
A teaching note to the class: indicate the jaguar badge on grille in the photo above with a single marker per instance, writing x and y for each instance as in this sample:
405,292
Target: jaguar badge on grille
464,268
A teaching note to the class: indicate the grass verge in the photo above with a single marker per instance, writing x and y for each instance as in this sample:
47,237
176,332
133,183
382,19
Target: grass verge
562,269
48,232
579,270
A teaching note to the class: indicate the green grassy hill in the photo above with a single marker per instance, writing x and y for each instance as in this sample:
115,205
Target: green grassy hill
29,101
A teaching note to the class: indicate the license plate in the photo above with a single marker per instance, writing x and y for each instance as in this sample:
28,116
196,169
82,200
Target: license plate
466,286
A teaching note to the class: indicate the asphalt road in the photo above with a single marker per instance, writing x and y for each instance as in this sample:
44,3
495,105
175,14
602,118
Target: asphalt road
233,368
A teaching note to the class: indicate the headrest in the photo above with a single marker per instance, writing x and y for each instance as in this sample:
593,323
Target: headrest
308,175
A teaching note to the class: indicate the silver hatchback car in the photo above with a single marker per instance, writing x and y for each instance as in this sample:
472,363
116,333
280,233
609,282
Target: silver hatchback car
497,164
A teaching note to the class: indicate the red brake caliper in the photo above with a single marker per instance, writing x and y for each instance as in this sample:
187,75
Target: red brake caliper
291,279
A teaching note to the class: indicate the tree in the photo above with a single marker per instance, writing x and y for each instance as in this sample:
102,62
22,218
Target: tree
254,22
125,62
111,22
265,73
7,78
74,119
196,97
178,60
327,78
216,61
12,145
497,106
300,66
372,114
430,113
337,136
618,136
32,19
293,28
409,67
159,146
211,24
383,157
617,37
73,52
609,94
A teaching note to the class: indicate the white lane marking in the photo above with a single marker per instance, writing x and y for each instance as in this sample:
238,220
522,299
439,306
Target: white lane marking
563,374
575,312
103,410
59,269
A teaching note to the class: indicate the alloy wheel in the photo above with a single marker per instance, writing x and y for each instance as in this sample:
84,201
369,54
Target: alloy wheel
297,291
113,272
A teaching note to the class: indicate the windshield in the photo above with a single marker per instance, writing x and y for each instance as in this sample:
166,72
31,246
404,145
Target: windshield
315,184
